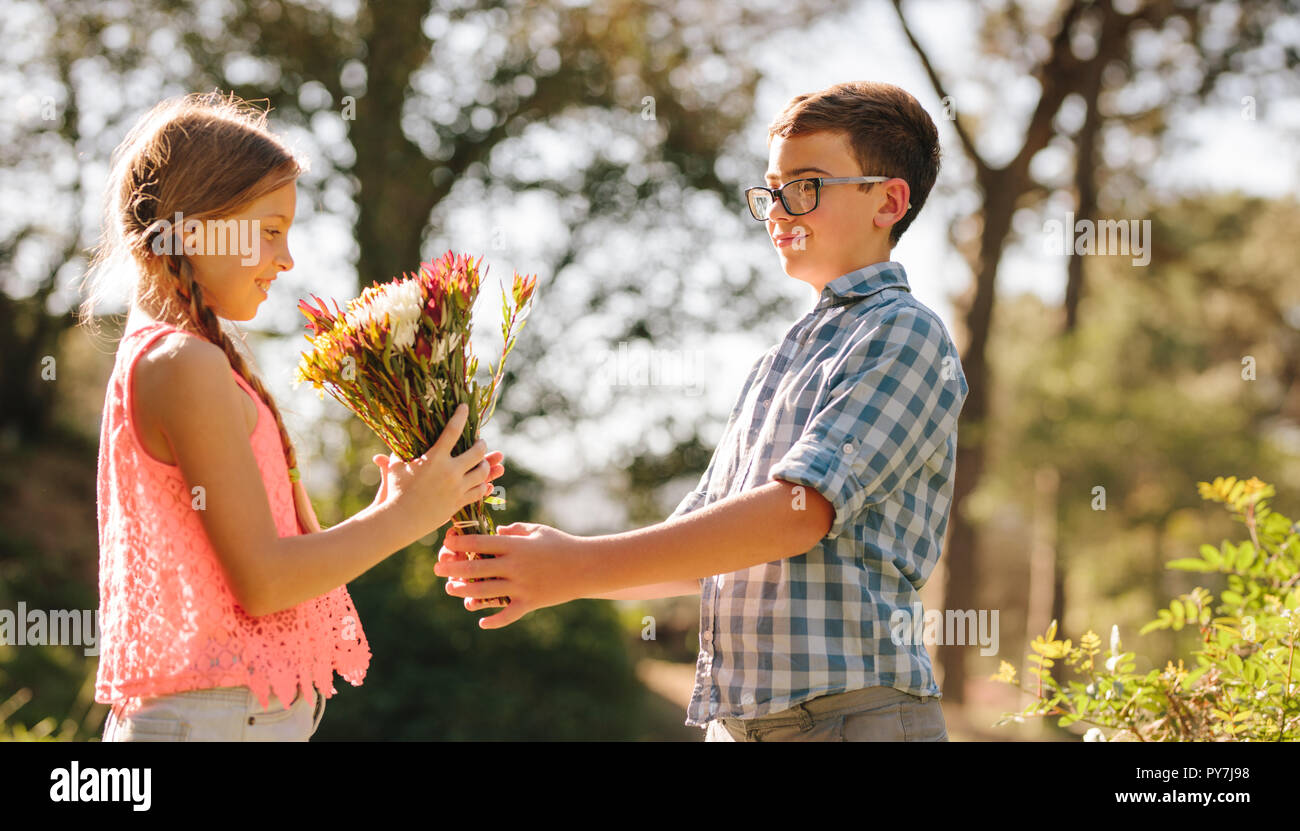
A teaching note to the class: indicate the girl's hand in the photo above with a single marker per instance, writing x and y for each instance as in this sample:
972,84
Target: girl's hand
382,462
429,489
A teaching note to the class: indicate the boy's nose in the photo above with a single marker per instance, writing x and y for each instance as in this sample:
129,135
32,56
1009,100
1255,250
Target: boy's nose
777,212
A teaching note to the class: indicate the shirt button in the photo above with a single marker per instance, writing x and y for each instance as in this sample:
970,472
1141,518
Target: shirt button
848,447
708,636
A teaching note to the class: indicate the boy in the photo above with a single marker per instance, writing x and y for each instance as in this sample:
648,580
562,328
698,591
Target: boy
823,509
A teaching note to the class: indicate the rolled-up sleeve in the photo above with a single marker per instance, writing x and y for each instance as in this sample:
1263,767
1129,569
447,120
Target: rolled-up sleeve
891,402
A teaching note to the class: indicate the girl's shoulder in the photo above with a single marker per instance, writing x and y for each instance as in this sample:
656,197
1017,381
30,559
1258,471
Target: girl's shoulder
179,362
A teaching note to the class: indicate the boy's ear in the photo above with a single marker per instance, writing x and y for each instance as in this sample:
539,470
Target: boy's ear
896,204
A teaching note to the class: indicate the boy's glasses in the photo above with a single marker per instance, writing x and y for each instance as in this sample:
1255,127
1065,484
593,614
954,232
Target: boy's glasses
800,196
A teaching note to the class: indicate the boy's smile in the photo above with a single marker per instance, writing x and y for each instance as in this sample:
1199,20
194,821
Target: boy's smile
845,231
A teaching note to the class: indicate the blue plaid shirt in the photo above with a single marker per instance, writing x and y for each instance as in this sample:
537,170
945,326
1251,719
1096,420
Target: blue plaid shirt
860,401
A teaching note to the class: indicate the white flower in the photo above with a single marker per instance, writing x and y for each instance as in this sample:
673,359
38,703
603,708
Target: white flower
1114,648
402,302
1094,734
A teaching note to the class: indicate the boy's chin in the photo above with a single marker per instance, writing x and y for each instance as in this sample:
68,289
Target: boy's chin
800,269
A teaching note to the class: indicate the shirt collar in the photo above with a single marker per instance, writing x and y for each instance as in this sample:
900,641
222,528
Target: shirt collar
863,282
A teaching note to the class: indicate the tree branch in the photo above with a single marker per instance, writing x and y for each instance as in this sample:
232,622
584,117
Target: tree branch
966,139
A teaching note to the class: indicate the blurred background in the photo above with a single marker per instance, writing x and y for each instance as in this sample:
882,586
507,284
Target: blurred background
604,145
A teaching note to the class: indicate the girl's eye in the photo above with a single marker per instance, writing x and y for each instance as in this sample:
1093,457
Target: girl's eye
274,233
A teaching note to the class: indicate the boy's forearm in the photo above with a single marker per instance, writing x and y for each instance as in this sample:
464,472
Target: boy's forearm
758,526
655,591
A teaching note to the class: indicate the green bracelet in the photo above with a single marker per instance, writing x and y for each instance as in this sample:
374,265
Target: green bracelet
293,474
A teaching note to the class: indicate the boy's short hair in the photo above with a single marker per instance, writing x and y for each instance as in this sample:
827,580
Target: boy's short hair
890,133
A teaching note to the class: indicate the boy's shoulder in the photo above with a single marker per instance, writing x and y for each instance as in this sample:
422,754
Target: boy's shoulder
898,316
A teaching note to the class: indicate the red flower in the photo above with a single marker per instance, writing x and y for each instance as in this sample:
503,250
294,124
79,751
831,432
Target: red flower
424,346
318,319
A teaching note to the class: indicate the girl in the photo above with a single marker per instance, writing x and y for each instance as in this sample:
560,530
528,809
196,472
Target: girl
224,614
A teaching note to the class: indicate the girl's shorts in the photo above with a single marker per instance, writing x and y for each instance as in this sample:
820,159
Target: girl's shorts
220,714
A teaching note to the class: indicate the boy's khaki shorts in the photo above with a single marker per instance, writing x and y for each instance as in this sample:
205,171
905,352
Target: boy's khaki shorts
873,714
220,714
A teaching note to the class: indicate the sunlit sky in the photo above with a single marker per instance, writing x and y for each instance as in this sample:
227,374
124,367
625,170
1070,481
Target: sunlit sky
1218,149
1225,151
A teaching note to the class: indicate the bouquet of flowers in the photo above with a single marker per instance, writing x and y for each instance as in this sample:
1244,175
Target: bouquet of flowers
399,356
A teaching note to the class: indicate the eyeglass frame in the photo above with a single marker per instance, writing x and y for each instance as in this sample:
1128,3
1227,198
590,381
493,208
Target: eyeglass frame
818,182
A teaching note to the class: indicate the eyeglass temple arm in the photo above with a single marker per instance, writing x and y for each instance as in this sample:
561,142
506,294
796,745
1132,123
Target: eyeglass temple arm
845,180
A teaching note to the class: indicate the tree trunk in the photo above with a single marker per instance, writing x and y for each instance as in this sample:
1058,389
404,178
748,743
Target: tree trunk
961,555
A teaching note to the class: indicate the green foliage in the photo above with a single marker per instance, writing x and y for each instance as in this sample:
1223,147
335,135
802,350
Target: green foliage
1243,687
560,673
565,672
47,550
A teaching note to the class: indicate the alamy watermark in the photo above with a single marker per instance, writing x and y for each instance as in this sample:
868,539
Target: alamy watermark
1128,237
56,627
77,784
960,627
212,236
645,366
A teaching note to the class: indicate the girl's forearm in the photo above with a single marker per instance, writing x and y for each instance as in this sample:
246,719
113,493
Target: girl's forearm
305,566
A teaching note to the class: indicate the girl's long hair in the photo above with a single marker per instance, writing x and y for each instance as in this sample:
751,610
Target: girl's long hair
205,156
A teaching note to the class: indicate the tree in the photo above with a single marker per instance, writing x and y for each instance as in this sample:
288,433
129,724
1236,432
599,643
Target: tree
1088,53
1167,380
415,111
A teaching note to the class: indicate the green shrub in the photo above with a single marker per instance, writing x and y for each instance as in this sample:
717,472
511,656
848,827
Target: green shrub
1243,686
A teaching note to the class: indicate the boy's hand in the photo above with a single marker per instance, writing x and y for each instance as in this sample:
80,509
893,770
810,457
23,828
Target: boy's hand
534,565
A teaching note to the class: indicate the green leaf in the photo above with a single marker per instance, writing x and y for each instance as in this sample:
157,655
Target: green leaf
1237,490
1152,626
1190,678
1246,555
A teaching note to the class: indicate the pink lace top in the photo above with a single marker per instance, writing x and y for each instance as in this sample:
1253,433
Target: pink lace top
169,621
